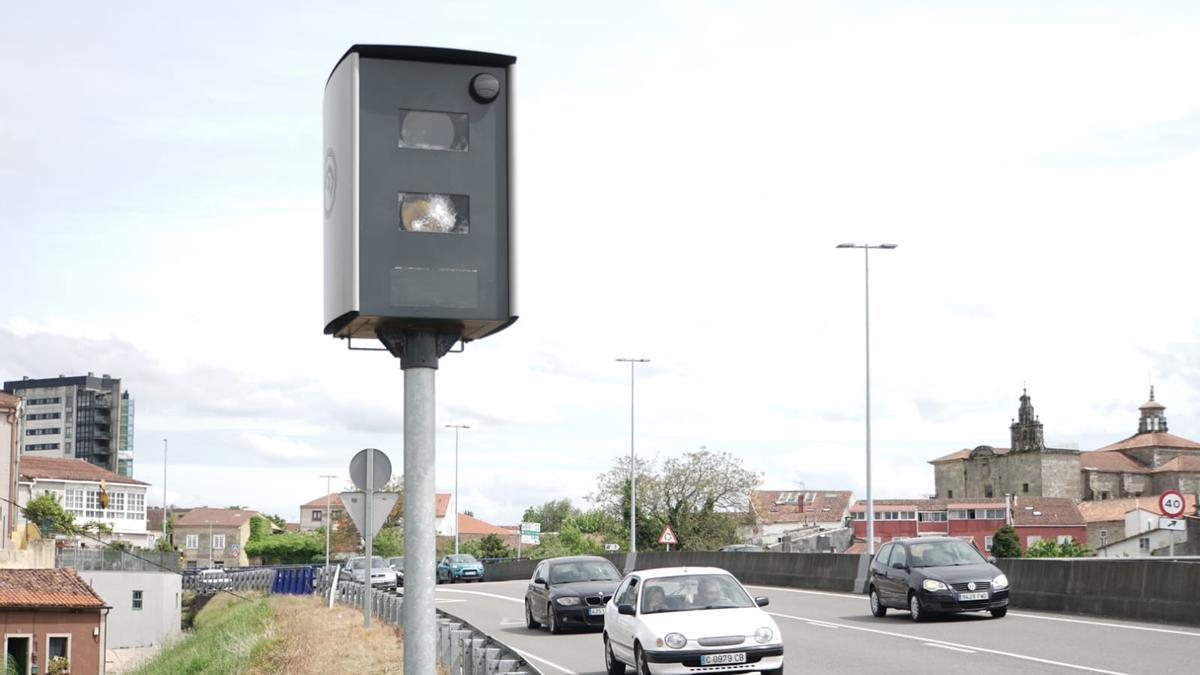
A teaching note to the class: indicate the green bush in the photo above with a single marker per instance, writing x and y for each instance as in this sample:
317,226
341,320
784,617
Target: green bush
1005,543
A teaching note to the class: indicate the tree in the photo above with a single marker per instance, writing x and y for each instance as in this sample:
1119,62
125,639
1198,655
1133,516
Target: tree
551,515
287,548
699,492
1005,543
49,515
260,528
163,545
389,543
278,520
1049,548
490,546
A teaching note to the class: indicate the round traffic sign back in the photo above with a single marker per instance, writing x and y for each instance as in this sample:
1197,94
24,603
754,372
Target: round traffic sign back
1171,503
381,469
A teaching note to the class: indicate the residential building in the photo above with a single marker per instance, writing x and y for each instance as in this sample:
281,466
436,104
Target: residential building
1130,526
125,448
779,512
471,528
48,613
76,417
78,485
144,592
1146,463
316,512
213,537
10,424
975,520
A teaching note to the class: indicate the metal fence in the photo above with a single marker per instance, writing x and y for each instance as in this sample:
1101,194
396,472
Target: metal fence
238,580
106,559
462,649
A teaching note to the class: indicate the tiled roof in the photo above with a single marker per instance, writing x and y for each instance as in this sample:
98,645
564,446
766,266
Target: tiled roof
1112,461
8,401
1101,510
1152,439
54,468
1027,511
442,505
824,506
46,588
860,506
1181,463
472,525
203,516
965,453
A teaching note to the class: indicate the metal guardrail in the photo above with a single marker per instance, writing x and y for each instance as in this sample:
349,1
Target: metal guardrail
104,559
462,648
248,580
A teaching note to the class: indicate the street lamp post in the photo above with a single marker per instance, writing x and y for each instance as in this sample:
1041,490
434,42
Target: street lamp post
328,515
456,428
867,285
164,513
632,461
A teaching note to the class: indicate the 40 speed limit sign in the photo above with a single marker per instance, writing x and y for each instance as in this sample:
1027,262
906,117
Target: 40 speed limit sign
1171,504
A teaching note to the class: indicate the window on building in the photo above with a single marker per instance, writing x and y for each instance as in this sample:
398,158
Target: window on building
949,494
1104,494
1144,543
1031,540
192,541
74,501
191,565
136,509
58,645
137,600
987,491
91,506
987,543
1025,488
932,516
218,541
994,514
316,516
116,504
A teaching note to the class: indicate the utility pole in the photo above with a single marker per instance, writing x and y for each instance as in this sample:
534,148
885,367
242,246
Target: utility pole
164,513
632,460
457,428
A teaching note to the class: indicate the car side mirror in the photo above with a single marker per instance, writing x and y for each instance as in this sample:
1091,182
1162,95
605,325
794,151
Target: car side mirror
625,609
762,601
991,559
899,566
541,582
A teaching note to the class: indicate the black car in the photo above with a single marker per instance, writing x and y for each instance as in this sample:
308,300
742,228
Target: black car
570,593
933,575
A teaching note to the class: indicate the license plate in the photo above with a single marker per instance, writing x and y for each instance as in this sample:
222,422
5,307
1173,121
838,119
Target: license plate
469,573
595,611
717,659
963,597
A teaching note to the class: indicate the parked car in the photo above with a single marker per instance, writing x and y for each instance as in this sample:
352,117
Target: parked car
741,548
397,564
459,567
213,580
677,619
382,574
932,575
570,592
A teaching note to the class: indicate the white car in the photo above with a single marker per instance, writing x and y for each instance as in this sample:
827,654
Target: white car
382,573
687,620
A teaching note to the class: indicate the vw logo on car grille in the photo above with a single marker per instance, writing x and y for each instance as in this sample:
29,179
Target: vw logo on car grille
971,586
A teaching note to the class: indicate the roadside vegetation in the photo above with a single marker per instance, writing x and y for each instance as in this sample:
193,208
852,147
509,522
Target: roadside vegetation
264,635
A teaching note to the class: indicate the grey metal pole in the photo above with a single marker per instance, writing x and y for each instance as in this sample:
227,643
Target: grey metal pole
328,516
632,461
164,513
870,500
420,619
369,536
457,508
210,546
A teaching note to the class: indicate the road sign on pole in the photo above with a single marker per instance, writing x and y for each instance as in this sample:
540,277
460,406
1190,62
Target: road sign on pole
668,536
381,507
381,469
1172,524
1171,503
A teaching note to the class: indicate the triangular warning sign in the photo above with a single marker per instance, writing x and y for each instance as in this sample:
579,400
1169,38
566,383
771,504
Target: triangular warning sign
668,536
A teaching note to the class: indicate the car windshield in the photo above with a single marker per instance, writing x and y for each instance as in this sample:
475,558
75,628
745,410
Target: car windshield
583,570
463,559
943,554
377,563
689,592
398,563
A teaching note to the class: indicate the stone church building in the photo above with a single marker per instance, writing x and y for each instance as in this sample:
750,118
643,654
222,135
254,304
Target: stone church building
1147,463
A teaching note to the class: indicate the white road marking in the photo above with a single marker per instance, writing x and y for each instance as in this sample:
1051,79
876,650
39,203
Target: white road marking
822,624
926,640
541,660
448,600
956,649
1023,615
490,595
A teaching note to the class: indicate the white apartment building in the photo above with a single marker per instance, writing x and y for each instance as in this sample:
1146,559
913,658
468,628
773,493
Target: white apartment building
77,485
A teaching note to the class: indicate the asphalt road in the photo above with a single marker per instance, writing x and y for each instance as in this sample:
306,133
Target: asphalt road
835,633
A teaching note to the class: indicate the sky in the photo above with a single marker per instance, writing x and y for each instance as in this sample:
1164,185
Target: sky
685,170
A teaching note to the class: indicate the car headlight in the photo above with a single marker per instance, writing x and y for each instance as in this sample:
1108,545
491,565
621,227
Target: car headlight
1000,582
675,640
567,601
763,635
934,585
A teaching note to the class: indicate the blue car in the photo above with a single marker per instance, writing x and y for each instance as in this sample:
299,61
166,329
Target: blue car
459,567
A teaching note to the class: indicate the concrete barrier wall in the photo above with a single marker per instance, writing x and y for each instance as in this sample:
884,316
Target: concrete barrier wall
1133,589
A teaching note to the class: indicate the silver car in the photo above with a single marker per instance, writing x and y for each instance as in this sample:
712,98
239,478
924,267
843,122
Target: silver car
382,573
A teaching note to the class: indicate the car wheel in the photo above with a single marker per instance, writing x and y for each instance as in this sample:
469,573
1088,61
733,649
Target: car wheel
529,620
914,607
611,664
999,612
776,671
639,658
877,606
552,620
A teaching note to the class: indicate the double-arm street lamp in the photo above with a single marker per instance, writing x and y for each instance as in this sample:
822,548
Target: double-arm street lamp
632,462
867,279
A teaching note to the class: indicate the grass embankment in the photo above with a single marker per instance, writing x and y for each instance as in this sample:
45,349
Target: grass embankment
280,634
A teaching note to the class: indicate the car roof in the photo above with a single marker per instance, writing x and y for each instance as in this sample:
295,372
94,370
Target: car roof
678,571
576,558
913,540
